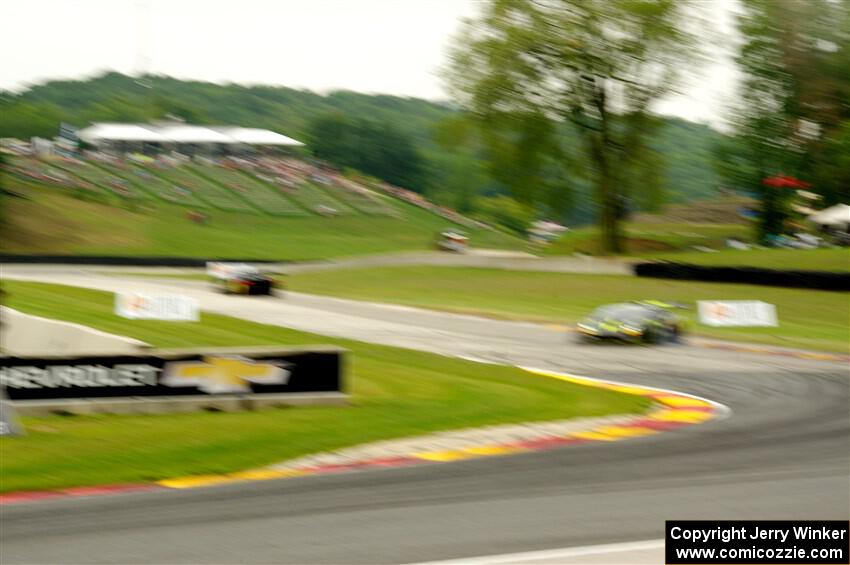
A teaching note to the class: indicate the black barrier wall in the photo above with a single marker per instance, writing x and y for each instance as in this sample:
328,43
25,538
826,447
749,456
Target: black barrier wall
173,374
817,280
121,261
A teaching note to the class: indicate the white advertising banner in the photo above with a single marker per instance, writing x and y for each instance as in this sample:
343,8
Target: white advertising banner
140,306
737,313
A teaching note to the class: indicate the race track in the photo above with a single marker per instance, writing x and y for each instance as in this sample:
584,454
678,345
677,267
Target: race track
782,454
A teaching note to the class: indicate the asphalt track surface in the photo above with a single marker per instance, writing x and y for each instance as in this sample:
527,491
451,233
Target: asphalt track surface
783,453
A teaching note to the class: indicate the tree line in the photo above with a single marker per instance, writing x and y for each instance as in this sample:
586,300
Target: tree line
429,147
525,69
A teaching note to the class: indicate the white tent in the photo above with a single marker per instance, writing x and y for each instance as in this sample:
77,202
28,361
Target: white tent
170,132
834,215
193,134
120,132
254,136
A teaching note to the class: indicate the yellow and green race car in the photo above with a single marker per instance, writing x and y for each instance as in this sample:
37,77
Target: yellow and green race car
647,322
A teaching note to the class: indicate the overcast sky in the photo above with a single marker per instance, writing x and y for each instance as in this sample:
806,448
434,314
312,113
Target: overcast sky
376,46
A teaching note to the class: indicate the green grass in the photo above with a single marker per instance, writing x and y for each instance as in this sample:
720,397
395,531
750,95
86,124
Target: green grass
396,393
312,196
363,203
218,181
164,190
51,221
799,259
649,238
807,318
675,242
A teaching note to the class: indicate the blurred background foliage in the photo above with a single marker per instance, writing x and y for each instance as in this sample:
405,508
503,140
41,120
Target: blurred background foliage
452,167
518,141
372,146
527,71
794,109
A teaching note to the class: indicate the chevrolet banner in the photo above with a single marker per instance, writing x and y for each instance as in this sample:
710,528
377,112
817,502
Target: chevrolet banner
173,374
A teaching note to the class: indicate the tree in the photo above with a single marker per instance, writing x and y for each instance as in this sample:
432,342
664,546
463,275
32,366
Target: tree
505,211
383,150
524,154
456,173
795,58
331,138
164,107
530,65
559,188
23,119
117,109
832,166
373,147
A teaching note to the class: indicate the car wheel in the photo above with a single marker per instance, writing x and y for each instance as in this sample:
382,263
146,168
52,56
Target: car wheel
582,338
650,336
675,335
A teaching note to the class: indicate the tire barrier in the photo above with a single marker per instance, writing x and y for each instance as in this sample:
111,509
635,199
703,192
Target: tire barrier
816,280
121,261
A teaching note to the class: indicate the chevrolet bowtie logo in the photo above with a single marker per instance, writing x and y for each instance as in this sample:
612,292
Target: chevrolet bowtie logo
223,374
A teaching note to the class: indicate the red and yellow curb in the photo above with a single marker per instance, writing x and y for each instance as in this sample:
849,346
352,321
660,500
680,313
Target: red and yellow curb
99,490
672,410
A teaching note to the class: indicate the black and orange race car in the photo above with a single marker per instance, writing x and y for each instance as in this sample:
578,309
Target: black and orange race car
241,278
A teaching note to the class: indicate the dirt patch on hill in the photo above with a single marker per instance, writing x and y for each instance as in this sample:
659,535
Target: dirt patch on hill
725,210
638,245
630,245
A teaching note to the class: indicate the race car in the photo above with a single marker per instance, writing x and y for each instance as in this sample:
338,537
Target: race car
455,241
240,278
647,322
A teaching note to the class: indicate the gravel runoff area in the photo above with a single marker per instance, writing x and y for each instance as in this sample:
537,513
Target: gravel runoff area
469,438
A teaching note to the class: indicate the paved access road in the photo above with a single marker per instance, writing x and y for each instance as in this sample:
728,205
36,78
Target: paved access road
783,453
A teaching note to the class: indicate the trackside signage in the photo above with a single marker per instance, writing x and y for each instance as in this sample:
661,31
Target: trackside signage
170,374
141,306
9,425
696,542
737,313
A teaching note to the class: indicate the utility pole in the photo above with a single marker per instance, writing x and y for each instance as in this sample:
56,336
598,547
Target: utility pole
142,66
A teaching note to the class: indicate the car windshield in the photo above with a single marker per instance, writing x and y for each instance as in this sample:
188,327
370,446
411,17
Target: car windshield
619,311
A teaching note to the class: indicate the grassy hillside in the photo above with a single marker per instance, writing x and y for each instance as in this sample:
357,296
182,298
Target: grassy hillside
115,97
52,220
